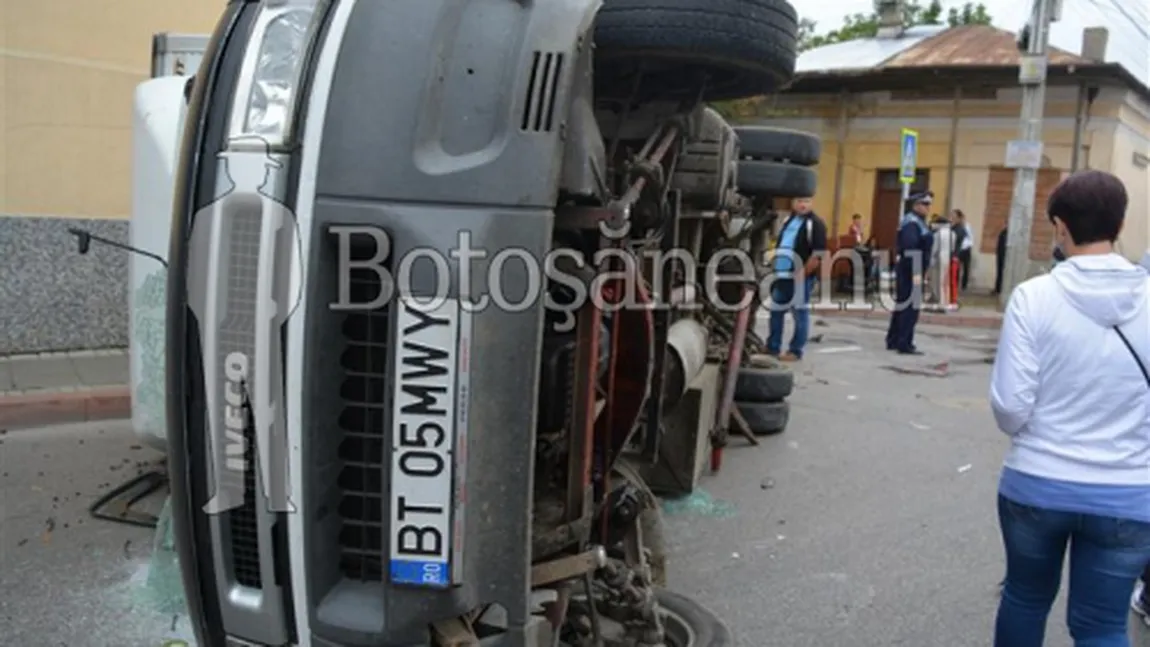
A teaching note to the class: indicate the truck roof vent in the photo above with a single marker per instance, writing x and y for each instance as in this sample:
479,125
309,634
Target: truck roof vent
542,92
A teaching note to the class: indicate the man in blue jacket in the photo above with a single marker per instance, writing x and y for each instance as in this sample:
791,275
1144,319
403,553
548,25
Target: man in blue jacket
912,250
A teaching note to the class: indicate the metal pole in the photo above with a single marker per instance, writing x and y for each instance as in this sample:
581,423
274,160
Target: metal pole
952,153
840,163
1079,124
1026,179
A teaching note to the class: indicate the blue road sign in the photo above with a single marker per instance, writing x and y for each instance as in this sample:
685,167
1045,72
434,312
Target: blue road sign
909,164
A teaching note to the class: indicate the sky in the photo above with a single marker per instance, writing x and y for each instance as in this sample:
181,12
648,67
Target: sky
1129,32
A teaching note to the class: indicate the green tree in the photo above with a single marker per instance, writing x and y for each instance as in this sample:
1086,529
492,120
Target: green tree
969,14
862,25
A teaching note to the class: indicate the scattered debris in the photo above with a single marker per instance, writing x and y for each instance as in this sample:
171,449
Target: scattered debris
165,584
852,398
815,339
767,484
965,468
976,361
920,427
933,370
839,349
698,502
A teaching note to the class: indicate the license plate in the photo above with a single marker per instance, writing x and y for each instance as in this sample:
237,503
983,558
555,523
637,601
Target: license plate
423,442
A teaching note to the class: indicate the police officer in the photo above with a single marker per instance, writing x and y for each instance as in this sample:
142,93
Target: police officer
915,242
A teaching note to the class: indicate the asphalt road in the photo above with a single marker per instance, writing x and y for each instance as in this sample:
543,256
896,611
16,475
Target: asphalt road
66,579
869,523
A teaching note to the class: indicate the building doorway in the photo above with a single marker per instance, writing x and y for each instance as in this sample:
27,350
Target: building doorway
888,207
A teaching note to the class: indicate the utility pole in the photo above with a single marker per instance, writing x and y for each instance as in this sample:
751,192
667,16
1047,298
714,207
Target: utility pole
1027,151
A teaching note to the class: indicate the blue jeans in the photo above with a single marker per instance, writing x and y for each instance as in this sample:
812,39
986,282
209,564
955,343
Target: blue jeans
1106,557
784,299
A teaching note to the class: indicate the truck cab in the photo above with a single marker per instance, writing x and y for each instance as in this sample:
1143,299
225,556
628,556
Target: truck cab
407,406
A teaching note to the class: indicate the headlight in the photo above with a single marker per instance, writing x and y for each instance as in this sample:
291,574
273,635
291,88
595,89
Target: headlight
268,89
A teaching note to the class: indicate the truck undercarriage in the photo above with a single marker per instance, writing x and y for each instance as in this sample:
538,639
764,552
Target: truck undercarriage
512,501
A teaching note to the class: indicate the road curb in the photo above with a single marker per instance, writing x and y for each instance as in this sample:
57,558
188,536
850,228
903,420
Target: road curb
952,319
44,408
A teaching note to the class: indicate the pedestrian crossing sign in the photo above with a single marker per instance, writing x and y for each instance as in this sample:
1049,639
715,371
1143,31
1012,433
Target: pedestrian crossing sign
909,162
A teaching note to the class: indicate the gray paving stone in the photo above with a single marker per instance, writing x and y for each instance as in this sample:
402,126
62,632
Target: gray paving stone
7,382
102,370
49,373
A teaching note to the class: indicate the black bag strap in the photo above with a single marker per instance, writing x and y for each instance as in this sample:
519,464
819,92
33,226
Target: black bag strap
1134,354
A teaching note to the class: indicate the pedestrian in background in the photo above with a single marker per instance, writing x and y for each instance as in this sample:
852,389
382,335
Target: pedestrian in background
856,230
795,266
1071,389
964,243
913,249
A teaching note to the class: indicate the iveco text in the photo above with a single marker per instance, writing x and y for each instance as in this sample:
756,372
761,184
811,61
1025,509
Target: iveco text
235,410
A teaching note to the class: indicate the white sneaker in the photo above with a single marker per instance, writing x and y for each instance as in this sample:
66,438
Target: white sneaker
1138,606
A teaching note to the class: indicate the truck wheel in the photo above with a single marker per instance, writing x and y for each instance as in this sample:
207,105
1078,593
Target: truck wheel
776,179
689,624
766,418
730,49
764,384
779,145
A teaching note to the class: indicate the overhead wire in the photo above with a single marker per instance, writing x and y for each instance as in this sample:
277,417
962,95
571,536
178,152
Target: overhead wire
1138,25
1124,42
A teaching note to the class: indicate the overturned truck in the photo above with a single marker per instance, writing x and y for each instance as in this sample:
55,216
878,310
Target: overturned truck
380,440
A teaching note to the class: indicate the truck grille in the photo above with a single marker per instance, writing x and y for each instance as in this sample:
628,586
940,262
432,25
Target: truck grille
244,528
236,334
362,422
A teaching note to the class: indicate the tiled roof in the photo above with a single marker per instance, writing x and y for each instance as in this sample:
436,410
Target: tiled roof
925,46
972,45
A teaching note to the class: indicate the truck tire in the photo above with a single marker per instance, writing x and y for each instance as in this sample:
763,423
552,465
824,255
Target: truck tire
764,385
776,180
779,145
766,418
730,49
690,624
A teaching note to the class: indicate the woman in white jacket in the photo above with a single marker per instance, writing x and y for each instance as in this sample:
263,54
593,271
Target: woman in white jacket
1070,388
